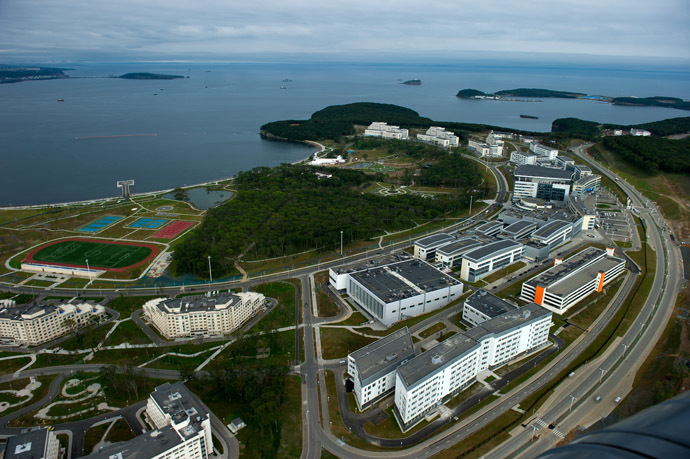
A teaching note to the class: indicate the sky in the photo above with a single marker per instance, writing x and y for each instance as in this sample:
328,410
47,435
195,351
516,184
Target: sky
367,30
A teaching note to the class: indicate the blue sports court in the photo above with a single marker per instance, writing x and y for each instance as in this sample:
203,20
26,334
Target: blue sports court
148,223
99,224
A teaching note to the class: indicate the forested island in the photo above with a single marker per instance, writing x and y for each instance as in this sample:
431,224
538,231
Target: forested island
413,82
10,74
149,76
656,101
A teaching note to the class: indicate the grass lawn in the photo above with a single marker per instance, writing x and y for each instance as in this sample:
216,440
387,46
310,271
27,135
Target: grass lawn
501,273
283,315
388,428
432,330
39,283
338,342
24,298
126,305
101,254
12,365
86,338
93,436
484,440
356,318
120,432
326,306
593,305
291,419
19,384
127,332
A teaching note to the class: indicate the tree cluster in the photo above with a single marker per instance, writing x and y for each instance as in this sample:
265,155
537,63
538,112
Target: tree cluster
574,127
288,210
652,154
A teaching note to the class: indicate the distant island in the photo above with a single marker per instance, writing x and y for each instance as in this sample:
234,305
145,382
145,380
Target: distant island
656,101
16,74
413,82
148,76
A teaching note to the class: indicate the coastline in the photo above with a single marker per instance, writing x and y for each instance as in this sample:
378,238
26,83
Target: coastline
147,193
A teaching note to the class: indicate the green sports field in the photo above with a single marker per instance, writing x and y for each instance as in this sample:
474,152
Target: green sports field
100,254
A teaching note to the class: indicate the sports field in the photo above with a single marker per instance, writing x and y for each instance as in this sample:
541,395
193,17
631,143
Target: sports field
148,223
173,229
99,224
109,255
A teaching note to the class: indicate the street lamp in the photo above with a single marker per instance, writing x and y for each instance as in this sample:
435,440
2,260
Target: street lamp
572,400
602,374
210,274
88,269
341,243
625,348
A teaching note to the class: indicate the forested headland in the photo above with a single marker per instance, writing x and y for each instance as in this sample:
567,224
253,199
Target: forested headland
288,209
337,121
589,130
652,154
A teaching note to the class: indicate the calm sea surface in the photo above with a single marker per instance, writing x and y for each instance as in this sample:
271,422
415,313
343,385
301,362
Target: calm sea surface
207,125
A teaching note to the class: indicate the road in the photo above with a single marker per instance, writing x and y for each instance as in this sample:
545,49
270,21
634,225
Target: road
611,375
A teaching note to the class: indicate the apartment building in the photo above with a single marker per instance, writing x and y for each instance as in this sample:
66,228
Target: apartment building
381,129
425,248
439,136
33,443
482,306
542,150
436,375
542,182
34,324
209,316
450,255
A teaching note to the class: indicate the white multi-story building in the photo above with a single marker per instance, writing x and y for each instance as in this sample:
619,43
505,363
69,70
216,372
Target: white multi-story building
482,306
425,248
640,132
373,367
34,443
518,230
34,324
578,207
570,281
542,182
439,136
482,261
210,316
553,233
479,147
397,290
380,129
490,228
520,157
544,151
586,184
564,161
450,255
436,375
182,429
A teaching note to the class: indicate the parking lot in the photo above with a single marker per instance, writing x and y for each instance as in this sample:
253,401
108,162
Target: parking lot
614,219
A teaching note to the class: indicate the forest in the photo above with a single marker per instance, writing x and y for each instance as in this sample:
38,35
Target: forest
588,130
652,154
288,209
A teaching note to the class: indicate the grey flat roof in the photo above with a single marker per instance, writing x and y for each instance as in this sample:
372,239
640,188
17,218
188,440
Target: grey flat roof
458,247
519,226
558,274
488,226
180,403
528,170
569,285
433,360
434,240
29,444
491,250
587,179
15,312
550,229
515,318
144,446
383,356
392,282
582,167
200,304
565,158
488,304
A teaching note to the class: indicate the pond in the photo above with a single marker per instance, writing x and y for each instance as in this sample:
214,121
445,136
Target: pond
359,166
203,198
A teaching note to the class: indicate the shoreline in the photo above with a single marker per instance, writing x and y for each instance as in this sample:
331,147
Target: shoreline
146,193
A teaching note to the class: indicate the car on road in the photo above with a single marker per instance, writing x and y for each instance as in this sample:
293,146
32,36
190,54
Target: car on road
597,399
618,399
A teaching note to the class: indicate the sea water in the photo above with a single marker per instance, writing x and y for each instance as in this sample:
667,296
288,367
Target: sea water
207,126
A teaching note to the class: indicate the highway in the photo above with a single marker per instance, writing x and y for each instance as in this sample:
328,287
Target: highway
611,375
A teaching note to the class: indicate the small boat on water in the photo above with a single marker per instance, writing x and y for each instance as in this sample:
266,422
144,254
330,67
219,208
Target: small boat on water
287,80
529,117
60,100
283,87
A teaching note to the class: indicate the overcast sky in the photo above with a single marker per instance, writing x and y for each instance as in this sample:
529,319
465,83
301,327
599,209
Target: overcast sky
400,30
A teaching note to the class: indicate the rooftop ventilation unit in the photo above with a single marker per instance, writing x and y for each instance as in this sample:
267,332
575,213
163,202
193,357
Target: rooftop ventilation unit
526,314
436,359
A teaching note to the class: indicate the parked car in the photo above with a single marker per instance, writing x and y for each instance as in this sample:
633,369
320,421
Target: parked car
597,399
618,399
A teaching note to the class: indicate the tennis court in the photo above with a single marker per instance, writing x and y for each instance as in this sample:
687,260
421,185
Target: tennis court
148,223
100,224
173,229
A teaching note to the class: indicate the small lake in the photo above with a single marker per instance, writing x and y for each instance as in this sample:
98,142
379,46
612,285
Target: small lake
203,198
359,166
